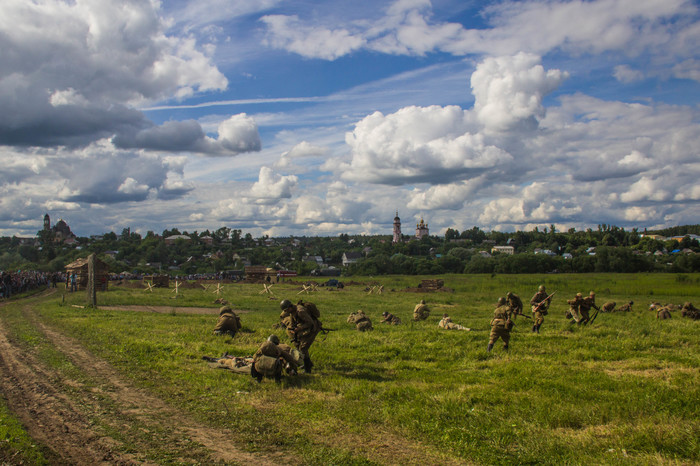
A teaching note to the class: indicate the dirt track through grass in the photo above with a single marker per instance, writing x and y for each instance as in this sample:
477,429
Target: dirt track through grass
89,419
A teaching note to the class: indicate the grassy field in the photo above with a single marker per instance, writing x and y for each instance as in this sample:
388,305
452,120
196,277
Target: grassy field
624,390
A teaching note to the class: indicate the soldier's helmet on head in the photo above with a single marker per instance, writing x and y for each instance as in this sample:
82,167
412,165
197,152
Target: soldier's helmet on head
592,293
285,304
422,301
385,313
273,339
501,301
224,309
541,288
509,295
579,295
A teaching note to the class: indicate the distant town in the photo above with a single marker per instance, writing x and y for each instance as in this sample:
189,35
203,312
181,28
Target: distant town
605,249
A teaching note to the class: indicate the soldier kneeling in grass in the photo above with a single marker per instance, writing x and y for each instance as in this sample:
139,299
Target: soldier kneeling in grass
360,320
228,324
272,358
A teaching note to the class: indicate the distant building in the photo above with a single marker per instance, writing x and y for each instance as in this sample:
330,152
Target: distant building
397,229
61,231
351,258
503,249
421,229
170,240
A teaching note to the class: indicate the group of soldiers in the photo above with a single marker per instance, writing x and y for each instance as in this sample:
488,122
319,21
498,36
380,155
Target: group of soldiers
302,325
664,312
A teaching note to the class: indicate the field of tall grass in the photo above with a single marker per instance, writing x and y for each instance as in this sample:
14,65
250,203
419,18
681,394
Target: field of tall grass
625,389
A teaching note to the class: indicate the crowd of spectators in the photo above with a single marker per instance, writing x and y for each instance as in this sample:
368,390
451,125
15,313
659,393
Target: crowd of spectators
12,283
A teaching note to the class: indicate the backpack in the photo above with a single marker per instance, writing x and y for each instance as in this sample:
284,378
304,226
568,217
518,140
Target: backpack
268,366
311,307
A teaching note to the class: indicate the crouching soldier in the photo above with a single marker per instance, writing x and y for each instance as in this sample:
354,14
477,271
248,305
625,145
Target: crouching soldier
501,325
625,307
663,313
609,306
421,311
302,324
360,320
389,318
228,324
271,359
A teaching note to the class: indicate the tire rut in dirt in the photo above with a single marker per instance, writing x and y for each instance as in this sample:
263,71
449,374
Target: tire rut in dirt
151,411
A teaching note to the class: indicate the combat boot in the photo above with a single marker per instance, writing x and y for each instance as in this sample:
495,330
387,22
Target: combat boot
505,347
308,365
534,327
489,347
538,329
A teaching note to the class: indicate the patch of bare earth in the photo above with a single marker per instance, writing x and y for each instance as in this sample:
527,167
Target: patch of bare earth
73,418
169,309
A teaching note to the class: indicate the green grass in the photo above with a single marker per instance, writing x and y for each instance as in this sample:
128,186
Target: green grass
624,390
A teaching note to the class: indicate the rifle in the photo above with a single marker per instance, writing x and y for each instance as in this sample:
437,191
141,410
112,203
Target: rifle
543,301
521,314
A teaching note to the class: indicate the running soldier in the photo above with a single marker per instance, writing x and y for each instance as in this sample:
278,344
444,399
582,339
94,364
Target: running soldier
540,307
515,304
302,324
501,325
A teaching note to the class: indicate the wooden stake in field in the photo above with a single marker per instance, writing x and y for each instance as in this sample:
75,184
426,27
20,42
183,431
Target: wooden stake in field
267,289
176,290
219,289
308,288
149,287
91,287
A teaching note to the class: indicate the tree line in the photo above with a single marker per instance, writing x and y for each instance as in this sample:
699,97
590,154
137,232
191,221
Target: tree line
605,249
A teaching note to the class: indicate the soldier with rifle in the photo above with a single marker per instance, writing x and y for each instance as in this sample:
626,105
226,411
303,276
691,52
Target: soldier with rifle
302,325
515,304
540,307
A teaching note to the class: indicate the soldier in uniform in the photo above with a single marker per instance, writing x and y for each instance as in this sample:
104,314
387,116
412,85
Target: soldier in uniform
688,310
609,306
540,307
447,324
663,313
228,324
514,303
360,320
501,325
302,328
574,311
421,311
391,319
271,358
625,307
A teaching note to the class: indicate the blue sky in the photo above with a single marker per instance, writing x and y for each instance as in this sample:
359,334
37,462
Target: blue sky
321,118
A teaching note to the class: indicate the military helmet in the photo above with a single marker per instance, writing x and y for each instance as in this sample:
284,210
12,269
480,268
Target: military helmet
385,313
592,293
422,301
579,295
224,309
509,294
285,304
501,301
274,339
541,288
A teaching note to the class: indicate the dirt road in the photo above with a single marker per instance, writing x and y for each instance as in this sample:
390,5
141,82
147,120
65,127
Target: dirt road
97,417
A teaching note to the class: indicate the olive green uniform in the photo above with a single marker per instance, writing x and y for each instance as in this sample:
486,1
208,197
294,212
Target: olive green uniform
390,319
360,320
540,307
663,313
302,329
609,306
515,304
625,308
501,325
228,323
447,324
421,312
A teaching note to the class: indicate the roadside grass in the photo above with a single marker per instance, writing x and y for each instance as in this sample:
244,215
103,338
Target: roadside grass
623,390
16,446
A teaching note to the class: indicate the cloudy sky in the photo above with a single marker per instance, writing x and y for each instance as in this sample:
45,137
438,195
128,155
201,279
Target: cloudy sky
320,118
